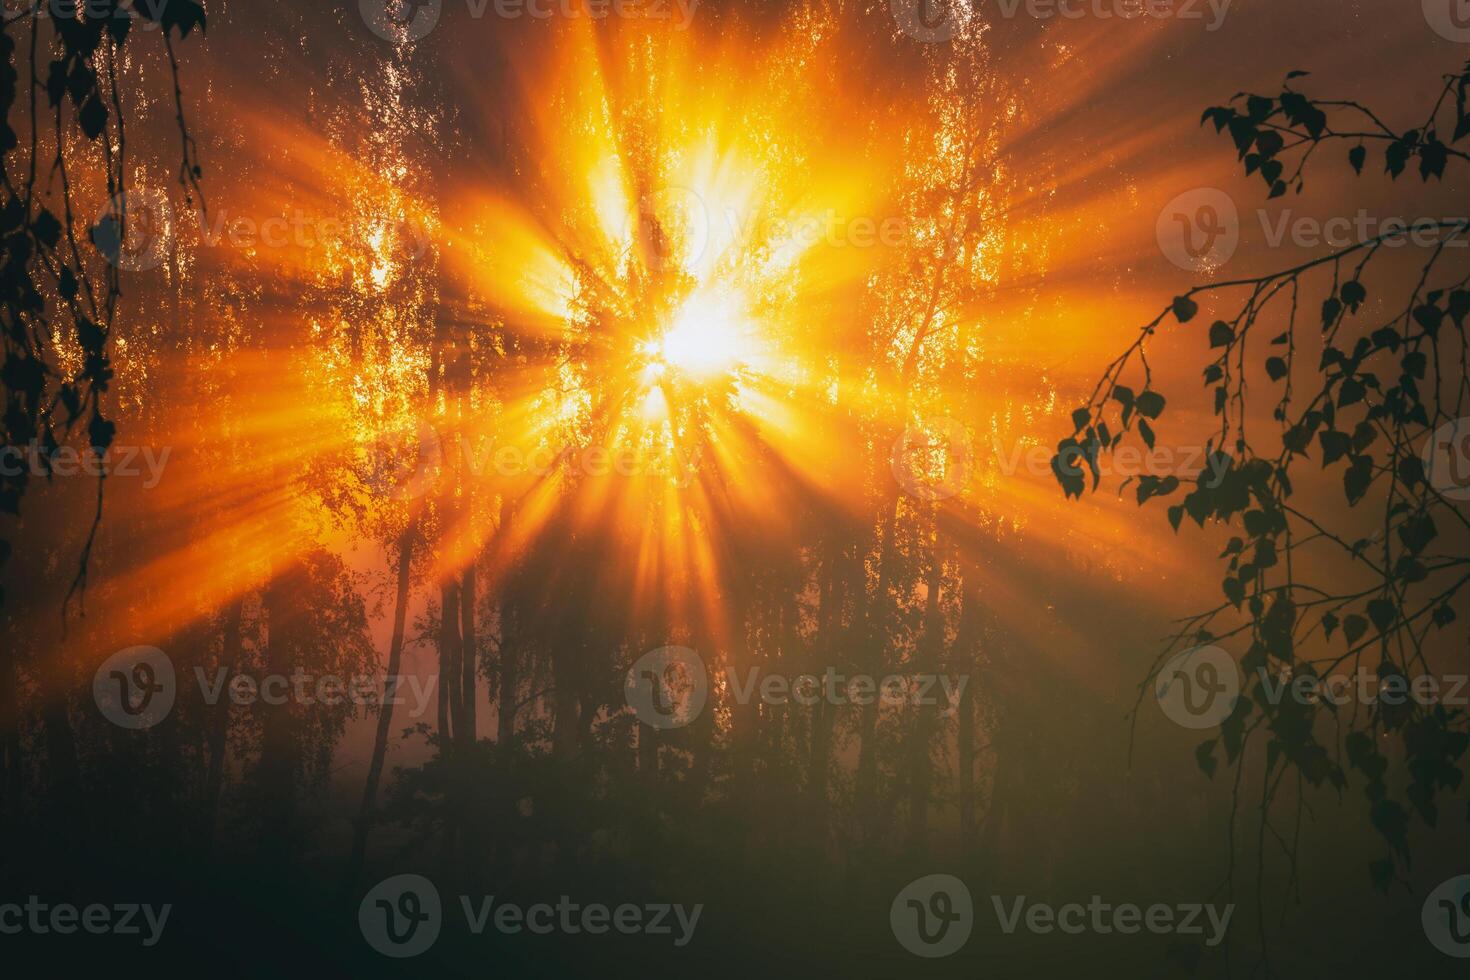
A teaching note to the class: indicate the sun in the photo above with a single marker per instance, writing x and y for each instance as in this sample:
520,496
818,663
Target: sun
708,336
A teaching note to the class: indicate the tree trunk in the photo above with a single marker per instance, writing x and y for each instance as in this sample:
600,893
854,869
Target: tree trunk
231,652
385,711
469,660
450,708
931,644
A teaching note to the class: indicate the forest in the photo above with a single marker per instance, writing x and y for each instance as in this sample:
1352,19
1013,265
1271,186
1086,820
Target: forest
894,488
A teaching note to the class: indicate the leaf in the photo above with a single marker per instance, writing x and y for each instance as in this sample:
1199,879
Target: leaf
1269,142
1396,157
1331,310
1147,432
1363,436
92,117
1357,156
1429,317
1329,623
1411,470
1417,532
1221,334
1064,467
1184,308
1358,478
1204,754
1080,418
184,15
1335,445
1353,294
47,228
1353,628
1459,306
1415,363
1383,612
1150,404
101,431
1432,157
1276,368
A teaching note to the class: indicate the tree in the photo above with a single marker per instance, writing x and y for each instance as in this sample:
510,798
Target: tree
1365,379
